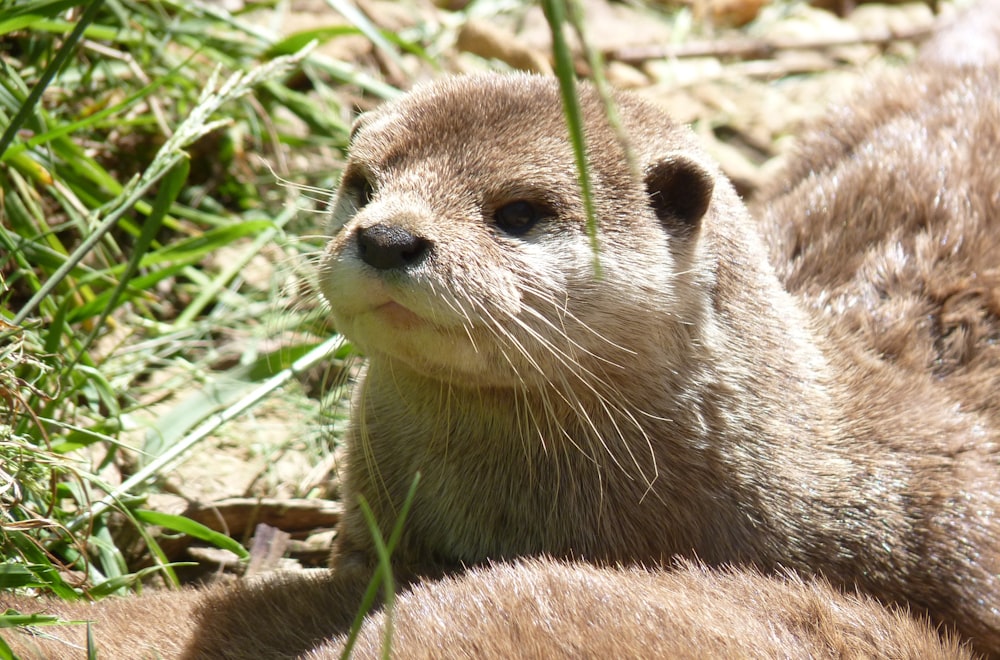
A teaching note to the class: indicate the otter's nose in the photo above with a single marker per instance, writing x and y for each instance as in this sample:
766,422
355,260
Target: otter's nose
387,247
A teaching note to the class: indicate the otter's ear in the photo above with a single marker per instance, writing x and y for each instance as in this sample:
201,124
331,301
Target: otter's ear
680,191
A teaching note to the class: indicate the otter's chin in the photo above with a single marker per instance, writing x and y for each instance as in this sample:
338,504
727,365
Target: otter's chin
449,356
398,316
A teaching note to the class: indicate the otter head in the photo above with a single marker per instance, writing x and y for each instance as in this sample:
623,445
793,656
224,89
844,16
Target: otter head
460,248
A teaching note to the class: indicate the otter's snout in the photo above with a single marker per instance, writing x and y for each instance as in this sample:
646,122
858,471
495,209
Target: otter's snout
388,247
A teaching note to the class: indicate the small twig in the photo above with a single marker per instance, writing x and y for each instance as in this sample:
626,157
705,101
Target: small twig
758,48
239,513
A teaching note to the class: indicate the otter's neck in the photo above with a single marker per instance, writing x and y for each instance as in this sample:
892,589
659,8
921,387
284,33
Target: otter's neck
671,456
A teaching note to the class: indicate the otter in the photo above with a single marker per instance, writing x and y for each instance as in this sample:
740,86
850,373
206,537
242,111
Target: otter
808,392
529,608
690,398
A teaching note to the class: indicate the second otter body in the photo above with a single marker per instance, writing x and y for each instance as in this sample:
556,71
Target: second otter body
547,609
679,402
533,608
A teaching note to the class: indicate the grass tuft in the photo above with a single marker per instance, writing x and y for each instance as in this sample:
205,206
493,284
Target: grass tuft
137,143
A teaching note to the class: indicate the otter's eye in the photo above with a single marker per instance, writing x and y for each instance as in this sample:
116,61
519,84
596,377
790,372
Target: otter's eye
357,187
363,191
517,217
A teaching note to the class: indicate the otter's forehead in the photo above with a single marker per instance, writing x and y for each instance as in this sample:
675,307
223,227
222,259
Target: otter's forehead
507,121
485,120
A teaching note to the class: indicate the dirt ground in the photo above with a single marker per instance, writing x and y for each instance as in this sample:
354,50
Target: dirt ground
745,90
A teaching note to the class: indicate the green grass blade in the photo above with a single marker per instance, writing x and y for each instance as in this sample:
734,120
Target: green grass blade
192,528
41,566
383,574
14,576
555,14
116,584
10,619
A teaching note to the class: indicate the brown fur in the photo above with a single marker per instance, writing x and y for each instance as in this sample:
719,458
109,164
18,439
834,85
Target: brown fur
899,250
538,608
543,609
970,39
833,414
275,616
147,626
